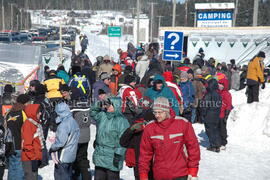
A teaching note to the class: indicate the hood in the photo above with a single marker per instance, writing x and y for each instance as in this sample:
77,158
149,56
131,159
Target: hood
225,83
31,111
212,85
168,76
63,111
118,68
117,104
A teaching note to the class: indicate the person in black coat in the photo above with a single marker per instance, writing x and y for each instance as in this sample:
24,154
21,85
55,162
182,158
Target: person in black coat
211,106
131,138
243,77
154,69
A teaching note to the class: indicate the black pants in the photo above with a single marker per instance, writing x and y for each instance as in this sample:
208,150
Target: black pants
181,178
2,170
223,132
62,171
253,93
212,131
106,174
81,164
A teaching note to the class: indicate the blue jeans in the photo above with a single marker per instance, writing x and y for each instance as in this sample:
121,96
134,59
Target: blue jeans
63,171
15,169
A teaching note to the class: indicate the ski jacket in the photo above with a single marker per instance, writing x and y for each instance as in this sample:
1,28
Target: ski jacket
63,75
126,93
110,127
142,66
188,93
226,98
164,92
235,80
100,85
115,78
80,82
164,143
255,70
31,139
52,84
67,134
105,67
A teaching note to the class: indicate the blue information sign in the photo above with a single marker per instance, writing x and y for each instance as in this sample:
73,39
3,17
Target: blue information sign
173,46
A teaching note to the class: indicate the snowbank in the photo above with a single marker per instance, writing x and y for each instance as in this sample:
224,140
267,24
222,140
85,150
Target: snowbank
250,123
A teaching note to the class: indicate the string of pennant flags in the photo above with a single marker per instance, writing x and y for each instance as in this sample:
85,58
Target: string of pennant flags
231,42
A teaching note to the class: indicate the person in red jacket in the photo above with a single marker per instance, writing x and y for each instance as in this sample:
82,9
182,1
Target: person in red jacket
163,143
168,76
225,110
32,142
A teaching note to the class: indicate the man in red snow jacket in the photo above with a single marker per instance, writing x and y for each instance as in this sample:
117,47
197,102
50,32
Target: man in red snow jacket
225,109
170,142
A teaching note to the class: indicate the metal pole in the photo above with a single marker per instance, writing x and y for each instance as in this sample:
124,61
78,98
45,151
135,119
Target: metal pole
3,16
174,12
21,25
152,21
159,22
235,13
17,22
186,11
138,22
11,16
195,19
61,48
255,12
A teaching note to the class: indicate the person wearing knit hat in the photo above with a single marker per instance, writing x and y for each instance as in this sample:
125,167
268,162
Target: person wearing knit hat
184,75
165,137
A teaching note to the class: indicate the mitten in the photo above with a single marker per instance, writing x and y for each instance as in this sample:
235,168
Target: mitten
192,173
137,126
116,160
192,178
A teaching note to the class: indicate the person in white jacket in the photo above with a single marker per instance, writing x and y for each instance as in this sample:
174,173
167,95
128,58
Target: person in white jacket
142,66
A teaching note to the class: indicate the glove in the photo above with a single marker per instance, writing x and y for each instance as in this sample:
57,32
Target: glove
116,160
263,85
137,127
35,165
192,178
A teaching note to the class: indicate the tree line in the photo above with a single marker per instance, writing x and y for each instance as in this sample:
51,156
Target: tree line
184,12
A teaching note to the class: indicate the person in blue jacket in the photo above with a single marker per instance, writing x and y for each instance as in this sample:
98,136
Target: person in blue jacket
64,149
108,156
62,73
160,89
188,92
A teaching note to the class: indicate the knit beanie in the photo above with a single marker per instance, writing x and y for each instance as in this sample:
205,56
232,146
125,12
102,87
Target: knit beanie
104,76
184,75
261,54
129,79
161,103
8,88
23,98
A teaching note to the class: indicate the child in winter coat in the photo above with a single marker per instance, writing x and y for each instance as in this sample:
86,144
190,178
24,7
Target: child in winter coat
226,108
65,145
32,142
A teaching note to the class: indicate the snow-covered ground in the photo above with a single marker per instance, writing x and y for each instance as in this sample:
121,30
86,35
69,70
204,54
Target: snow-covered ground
247,156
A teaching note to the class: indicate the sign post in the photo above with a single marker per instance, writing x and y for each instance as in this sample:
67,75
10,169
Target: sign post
173,46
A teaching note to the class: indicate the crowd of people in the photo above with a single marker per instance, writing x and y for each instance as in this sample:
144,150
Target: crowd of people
143,109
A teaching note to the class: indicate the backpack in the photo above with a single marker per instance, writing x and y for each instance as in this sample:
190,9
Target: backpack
80,82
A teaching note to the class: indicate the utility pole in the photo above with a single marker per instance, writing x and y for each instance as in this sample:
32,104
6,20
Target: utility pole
235,13
159,22
174,12
138,22
11,16
61,45
152,21
255,12
17,22
186,11
3,16
21,24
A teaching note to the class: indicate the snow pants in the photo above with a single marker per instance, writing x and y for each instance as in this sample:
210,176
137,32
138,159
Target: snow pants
212,131
106,174
253,93
15,169
223,132
63,171
81,164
